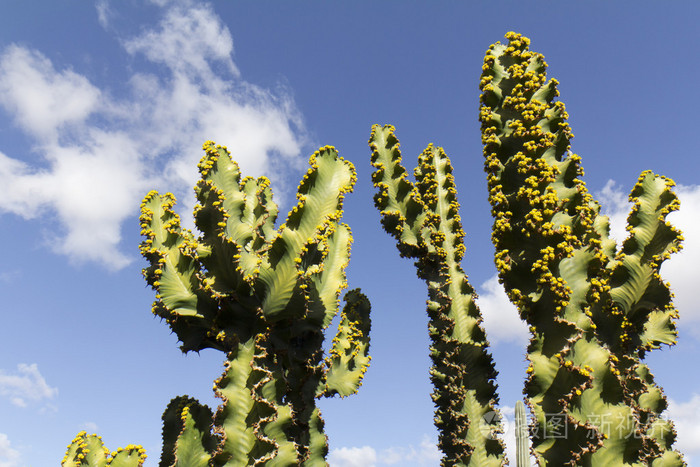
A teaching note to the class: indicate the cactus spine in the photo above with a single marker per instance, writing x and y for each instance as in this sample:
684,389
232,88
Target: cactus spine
424,218
264,297
593,313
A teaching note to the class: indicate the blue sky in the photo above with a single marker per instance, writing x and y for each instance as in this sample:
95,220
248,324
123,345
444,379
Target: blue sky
101,102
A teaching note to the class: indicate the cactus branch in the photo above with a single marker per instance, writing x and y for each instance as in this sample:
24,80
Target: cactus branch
89,451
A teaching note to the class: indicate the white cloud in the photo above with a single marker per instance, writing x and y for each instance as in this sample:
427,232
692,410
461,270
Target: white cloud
25,385
103,12
352,457
685,417
615,205
681,269
43,100
187,41
9,276
426,454
89,426
501,319
508,422
9,457
100,154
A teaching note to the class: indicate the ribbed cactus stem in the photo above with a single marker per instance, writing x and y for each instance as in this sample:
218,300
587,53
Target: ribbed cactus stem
424,218
89,451
264,296
187,436
590,325
522,440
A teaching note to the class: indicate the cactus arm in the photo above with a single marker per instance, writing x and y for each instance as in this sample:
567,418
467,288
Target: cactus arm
637,288
456,321
397,199
231,419
187,438
223,216
130,456
349,356
424,219
522,448
86,450
553,249
236,216
89,451
331,279
173,272
644,299
250,211
318,442
319,206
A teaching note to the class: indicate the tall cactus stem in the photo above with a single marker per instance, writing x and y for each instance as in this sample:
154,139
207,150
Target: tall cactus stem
424,219
522,441
592,313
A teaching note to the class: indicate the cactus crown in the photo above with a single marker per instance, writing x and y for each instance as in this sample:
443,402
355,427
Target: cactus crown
243,276
264,296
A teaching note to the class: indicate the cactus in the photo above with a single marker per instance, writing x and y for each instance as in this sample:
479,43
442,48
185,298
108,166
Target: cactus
187,437
593,312
89,451
264,297
424,218
522,449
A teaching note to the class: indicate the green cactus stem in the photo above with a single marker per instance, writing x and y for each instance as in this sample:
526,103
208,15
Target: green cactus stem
592,312
424,218
89,451
187,434
264,296
522,445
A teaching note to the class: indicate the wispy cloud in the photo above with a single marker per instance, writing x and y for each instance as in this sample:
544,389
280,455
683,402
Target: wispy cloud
685,416
9,276
9,457
94,155
501,319
89,426
364,456
25,385
425,454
